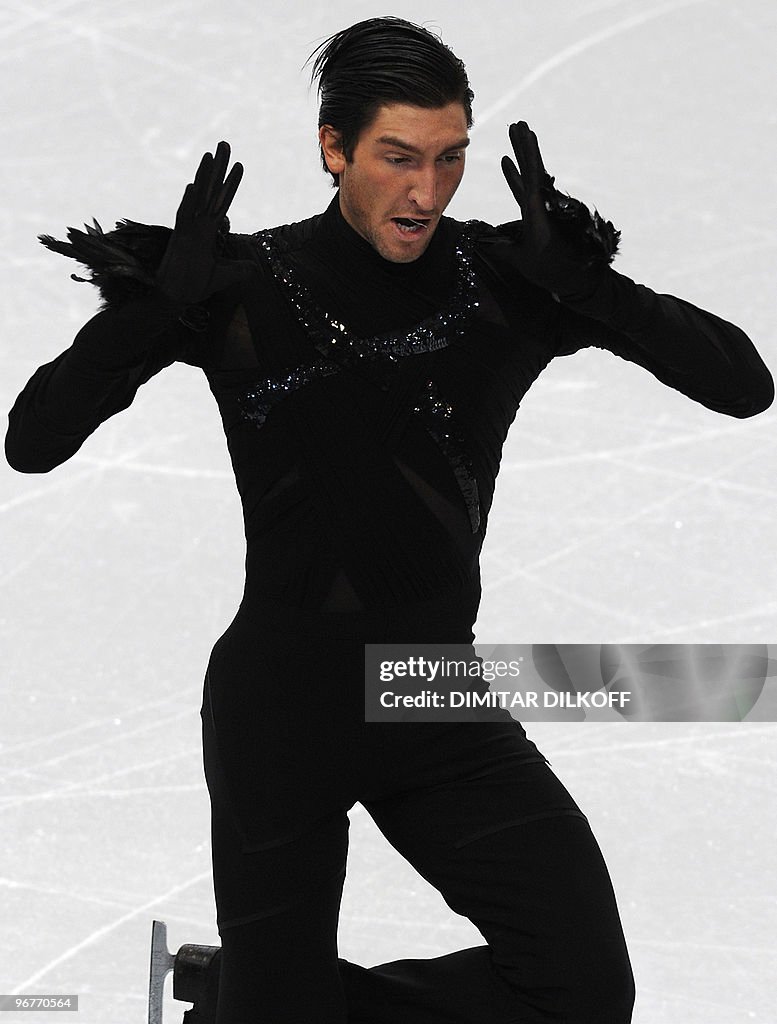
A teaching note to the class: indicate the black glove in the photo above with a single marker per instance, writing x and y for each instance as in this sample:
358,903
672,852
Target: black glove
191,270
560,246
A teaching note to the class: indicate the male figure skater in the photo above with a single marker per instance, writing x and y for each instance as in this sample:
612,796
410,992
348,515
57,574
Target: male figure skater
367,363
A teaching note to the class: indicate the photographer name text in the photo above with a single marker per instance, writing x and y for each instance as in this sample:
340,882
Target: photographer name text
502,699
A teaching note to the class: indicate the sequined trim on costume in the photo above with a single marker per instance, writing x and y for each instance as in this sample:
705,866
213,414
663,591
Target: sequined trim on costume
436,414
256,403
333,339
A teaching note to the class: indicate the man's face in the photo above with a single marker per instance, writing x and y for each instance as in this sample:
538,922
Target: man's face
406,164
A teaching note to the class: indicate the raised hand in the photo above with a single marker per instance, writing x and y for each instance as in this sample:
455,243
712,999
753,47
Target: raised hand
562,247
190,270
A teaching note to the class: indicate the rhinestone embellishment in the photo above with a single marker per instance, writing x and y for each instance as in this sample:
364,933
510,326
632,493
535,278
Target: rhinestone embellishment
436,414
333,339
256,403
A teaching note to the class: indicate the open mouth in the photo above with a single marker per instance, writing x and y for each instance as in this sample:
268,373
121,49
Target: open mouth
410,225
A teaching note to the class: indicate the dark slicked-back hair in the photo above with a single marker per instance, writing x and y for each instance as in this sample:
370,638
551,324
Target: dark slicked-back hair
379,61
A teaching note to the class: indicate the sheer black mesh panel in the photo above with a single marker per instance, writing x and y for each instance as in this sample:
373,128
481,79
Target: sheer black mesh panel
239,349
342,597
453,517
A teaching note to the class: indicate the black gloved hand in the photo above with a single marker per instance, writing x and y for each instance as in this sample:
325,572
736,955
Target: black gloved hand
191,270
562,247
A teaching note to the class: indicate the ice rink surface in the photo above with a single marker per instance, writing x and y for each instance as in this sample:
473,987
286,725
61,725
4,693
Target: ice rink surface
624,511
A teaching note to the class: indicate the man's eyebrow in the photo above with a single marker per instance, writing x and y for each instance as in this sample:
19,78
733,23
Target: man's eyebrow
392,140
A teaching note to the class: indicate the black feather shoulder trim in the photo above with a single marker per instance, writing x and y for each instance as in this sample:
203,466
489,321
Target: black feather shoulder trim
123,262
596,237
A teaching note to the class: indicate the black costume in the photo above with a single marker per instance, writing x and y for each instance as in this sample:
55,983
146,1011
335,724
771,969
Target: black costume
365,404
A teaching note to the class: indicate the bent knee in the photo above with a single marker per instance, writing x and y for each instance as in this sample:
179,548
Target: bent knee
605,996
600,990
579,990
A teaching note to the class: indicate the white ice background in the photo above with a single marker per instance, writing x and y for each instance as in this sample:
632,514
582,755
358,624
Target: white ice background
624,511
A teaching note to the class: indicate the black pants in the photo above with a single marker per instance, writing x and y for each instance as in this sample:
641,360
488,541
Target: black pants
500,838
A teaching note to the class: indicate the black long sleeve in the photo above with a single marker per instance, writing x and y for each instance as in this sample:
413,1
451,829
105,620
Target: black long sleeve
112,355
696,352
687,348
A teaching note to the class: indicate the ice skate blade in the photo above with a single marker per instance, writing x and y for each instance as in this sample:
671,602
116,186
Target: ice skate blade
162,961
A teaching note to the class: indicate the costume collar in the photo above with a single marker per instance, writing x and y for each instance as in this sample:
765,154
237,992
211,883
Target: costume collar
333,227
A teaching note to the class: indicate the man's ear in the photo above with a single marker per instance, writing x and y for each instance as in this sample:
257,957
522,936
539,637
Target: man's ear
332,146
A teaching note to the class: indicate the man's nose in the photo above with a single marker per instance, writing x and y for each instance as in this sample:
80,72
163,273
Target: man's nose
423,192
